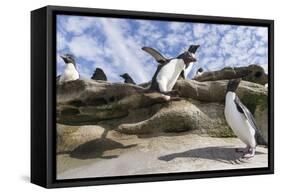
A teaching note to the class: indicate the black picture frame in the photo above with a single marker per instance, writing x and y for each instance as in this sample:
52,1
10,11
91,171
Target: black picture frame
43,96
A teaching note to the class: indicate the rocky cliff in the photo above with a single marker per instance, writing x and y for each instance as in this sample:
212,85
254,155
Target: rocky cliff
101,107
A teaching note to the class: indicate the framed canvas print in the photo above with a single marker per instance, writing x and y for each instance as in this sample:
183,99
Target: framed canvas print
125,96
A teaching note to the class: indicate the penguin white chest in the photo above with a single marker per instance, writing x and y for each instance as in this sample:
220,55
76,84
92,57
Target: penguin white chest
70,73
238,122
169,74
188,69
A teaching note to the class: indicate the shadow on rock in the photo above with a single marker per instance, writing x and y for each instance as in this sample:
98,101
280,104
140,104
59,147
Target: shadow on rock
221,154
179,132
96,148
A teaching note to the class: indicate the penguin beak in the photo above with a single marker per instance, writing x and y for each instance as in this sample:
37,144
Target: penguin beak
63,56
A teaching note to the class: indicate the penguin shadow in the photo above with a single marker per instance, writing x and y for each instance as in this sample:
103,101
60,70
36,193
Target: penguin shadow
221,154
96,148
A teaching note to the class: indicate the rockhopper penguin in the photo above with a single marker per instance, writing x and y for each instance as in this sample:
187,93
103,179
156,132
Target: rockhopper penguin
99,75
199,71
127,78
169,70
241,120
192,49
70,72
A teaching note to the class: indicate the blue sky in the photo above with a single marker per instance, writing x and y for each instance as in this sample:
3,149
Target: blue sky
115,45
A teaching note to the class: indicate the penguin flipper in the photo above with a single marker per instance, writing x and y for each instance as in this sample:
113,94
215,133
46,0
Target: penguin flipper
193,48
245,111
155,54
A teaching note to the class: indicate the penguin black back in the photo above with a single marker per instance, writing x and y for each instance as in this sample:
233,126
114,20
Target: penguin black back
99,75
127,78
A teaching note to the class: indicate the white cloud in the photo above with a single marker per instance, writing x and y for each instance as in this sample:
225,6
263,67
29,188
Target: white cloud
262,32
173,39
245,43
211,50
178,27
222,28
237,47
61,42
115,44
145,28
78,25
200,30
261,50
124,50
229,37
85,46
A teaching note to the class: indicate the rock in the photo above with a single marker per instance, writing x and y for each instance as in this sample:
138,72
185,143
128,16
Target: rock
185,115
261,116
251,73
70,137
88,109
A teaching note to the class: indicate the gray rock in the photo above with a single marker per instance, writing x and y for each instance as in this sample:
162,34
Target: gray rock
88,109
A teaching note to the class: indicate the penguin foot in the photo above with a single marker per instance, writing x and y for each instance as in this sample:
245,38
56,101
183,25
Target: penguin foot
249,154
166,97
172,98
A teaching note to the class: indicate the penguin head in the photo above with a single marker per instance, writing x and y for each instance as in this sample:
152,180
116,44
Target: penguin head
233,85
68,58
189,55
125,76
193,48
200,70
98,70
